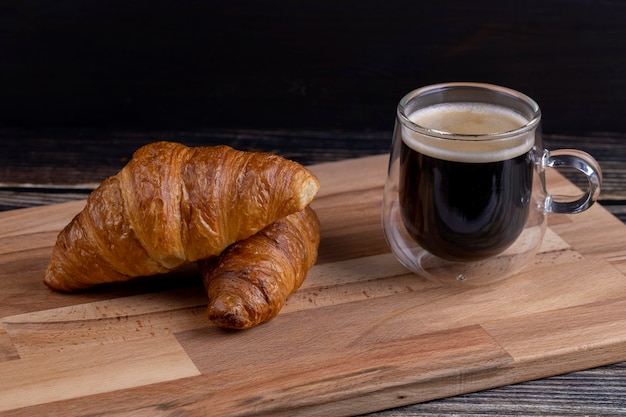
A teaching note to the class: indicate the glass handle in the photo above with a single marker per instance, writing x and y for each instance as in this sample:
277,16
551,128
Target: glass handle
583,162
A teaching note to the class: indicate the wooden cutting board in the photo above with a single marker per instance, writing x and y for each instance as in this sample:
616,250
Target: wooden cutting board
361,334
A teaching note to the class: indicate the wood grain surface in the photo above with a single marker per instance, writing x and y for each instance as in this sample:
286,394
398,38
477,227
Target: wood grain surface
361,334
47,166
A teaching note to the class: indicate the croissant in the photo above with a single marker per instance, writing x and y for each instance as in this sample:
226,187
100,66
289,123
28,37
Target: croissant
250,281
172,205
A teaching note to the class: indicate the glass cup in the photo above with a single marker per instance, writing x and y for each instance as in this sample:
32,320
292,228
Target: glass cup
465,197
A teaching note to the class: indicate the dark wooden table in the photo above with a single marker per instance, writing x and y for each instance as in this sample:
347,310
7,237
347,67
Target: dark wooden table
48,166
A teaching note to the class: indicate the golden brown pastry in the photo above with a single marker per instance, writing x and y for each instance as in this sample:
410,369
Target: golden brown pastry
250,281
172,205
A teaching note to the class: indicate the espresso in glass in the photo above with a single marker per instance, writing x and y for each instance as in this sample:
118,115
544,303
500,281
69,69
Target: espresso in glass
465,201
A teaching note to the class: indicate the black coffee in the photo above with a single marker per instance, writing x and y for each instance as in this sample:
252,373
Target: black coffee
464,210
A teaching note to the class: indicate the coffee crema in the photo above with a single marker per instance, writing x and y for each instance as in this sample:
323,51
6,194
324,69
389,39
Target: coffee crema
466,198
468,132
468,118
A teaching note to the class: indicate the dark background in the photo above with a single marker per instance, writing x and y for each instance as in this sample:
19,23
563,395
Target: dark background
319,65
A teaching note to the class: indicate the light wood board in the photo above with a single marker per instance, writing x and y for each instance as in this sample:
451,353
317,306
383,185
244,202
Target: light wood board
360,335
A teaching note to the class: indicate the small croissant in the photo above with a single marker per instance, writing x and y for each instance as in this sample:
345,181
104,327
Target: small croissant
251,280
172,205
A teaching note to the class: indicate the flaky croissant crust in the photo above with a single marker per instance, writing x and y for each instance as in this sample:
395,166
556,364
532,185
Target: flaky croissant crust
251,280
172,205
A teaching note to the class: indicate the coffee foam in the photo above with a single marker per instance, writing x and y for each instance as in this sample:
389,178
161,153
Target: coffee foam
468,132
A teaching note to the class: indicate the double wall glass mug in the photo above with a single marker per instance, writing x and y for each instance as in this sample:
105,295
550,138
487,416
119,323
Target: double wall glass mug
465,197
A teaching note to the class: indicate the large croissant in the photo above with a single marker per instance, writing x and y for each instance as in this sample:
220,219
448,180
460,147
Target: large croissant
250,281
172,205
